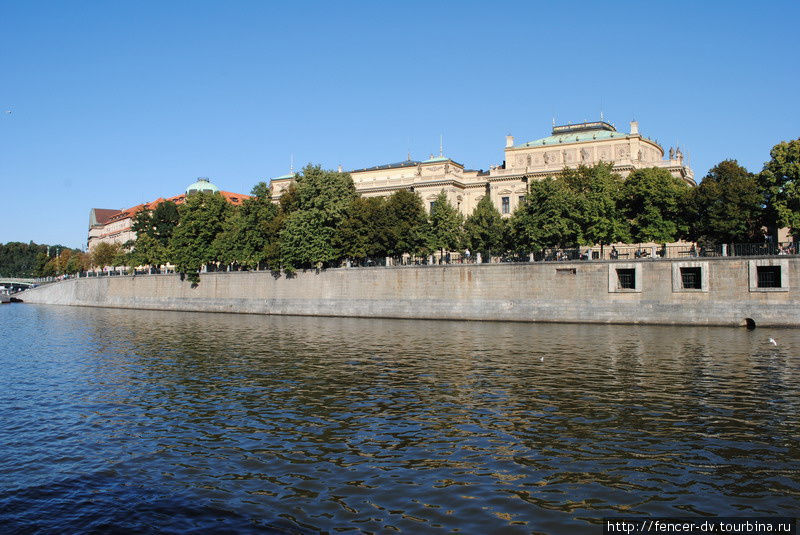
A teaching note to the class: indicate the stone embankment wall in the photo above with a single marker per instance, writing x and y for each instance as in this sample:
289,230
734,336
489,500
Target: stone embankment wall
550,292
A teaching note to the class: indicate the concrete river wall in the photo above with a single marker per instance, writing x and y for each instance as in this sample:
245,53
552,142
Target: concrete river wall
762,291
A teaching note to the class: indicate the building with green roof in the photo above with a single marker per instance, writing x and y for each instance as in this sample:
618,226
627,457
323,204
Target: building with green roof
569,145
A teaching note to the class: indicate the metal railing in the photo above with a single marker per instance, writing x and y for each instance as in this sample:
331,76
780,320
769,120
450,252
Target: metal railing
628,252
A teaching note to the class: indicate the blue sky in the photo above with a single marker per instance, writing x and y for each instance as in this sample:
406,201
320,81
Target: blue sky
117,103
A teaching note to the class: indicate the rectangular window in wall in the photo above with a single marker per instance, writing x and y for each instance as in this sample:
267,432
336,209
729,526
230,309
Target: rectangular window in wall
521,199
768,276
431,205
691,278
626,278
506,204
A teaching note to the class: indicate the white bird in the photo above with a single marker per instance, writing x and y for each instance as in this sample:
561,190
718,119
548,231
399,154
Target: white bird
541,359
772,341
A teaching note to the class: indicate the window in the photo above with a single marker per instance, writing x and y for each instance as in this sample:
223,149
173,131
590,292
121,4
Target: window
691,278
432,203
626,278
768,276
506,204
521,199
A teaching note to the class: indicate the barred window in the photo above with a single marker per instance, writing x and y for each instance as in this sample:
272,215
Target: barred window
691,278
768,276
626,278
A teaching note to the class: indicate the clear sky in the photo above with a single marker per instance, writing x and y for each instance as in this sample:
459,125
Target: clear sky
116,103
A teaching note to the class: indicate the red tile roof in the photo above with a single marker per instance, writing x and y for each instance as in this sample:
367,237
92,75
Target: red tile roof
103,215
110,216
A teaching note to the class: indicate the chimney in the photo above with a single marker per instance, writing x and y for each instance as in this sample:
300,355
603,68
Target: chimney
509,141
634,127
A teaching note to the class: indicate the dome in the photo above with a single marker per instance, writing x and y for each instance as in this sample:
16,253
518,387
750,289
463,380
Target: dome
202,184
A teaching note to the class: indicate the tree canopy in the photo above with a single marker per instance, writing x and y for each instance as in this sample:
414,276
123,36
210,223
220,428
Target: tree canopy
406,223
445,230
202,217
309,234
485,229
655,202
597,211
247,233
780,185
364,231
546,218
726,207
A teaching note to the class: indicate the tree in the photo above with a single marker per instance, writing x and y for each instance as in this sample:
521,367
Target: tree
655,202
597,210
484,230
41,262
308,235
104,253
19,259
247,232
78,261
445,222
364,230
201,220
546,218
406,224
780,186
147,250
727,206
154,229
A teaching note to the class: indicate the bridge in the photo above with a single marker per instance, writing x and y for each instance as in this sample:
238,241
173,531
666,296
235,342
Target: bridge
16,284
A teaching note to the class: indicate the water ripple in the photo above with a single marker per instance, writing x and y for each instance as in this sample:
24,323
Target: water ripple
141,421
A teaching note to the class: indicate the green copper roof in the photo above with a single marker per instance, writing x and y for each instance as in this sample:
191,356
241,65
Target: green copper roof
573,137
407,163
202,184
284,177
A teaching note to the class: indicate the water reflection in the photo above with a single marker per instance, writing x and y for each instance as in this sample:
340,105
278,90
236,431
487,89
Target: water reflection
149,421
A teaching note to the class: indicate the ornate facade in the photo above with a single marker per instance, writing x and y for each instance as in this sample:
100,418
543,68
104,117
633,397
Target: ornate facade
506,184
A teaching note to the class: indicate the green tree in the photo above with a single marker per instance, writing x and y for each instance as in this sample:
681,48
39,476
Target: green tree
363,232
406,224
77,262
41,262
727,206
309,232
201,220
655,203
104,253
147,250
485,229
597,210
158,223
19,259
546,218
445,225
261,191
248,232
780,186
154,229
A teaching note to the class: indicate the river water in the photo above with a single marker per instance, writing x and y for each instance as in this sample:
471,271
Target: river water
140,421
